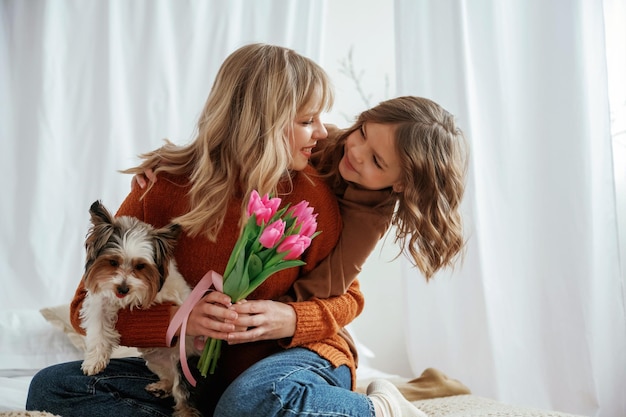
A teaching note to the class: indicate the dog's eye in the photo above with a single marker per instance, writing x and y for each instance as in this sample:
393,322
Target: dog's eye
114,263
139,267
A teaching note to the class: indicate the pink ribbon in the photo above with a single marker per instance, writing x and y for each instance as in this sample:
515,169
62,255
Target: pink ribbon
179,321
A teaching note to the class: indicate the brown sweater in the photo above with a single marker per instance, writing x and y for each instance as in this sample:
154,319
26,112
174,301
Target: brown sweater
319,321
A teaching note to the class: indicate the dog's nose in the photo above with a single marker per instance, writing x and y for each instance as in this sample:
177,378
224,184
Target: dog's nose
122,289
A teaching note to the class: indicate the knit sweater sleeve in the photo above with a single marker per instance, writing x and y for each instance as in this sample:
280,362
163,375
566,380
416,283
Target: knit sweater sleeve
319,319
366,216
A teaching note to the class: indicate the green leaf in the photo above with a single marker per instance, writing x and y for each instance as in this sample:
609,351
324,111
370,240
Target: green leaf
240,246
289,224
232,281
266,254
244,284
266,273
275,260
255,266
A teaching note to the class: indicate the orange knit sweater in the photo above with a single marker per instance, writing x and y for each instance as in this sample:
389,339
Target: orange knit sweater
318,321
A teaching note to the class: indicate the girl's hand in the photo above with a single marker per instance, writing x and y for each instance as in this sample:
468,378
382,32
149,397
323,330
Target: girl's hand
141,180
262,320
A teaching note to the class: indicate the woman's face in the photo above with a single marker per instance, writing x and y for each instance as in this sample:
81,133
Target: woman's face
306,130
371,159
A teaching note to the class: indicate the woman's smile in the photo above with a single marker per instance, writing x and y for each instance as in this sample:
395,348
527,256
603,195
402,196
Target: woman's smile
308,150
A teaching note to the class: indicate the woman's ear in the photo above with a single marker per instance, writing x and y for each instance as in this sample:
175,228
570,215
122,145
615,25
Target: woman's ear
398,187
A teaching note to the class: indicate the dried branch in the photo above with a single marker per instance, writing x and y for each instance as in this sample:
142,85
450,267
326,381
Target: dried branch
346,67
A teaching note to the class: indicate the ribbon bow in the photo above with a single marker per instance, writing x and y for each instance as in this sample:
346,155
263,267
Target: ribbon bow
179,321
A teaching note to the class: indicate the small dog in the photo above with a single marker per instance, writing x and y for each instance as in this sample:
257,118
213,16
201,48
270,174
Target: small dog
130,264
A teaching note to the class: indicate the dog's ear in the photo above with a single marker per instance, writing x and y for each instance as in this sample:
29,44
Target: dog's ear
99,213
164,242
100,232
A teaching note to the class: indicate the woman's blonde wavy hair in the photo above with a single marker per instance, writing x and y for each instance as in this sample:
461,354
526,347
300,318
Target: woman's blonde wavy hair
433,156
243,133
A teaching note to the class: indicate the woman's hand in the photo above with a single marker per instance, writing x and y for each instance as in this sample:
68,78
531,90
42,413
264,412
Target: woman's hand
212,316
262,320
142,180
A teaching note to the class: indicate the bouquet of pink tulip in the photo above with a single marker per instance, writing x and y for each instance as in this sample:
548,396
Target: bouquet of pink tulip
271,241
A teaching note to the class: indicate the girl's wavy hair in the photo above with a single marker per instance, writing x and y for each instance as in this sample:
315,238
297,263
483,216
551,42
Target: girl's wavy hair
243,133
433,155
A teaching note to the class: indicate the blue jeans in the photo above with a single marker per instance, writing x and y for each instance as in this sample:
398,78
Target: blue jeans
117,391
294,382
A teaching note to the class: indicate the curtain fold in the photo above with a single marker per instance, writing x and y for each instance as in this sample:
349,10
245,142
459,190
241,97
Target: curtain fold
535,313
87,85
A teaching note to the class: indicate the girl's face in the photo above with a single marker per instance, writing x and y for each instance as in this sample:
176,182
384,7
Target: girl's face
306,130
370,158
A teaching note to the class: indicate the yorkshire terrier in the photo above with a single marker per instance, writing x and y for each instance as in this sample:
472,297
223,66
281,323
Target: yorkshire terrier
130,264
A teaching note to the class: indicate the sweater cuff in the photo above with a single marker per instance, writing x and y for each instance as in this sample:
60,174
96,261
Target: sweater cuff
308,327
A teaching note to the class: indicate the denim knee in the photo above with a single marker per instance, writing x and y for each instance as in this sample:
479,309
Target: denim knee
47,386
246,397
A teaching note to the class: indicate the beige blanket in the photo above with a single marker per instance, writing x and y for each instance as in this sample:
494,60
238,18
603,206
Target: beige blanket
431,384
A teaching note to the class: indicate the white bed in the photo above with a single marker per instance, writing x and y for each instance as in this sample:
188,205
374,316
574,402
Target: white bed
28,343
32,340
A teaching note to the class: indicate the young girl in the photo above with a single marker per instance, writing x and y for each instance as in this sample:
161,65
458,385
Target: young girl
257,130
402,163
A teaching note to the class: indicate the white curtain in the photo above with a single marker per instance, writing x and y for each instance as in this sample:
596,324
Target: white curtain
535,314
86,86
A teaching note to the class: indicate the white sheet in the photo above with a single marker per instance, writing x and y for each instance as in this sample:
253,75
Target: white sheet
13,391
28,343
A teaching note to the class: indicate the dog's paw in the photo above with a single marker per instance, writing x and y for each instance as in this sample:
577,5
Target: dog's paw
160,389
93,366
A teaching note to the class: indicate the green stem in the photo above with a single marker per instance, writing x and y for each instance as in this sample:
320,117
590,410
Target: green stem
203,356
216,356
210,355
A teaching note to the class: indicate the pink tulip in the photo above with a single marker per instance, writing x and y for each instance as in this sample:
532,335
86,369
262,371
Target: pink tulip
294,245
272,234
308,226
305,218
301,210
263,208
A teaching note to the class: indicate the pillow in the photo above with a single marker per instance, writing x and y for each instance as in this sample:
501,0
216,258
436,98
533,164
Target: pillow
28,342
59,316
